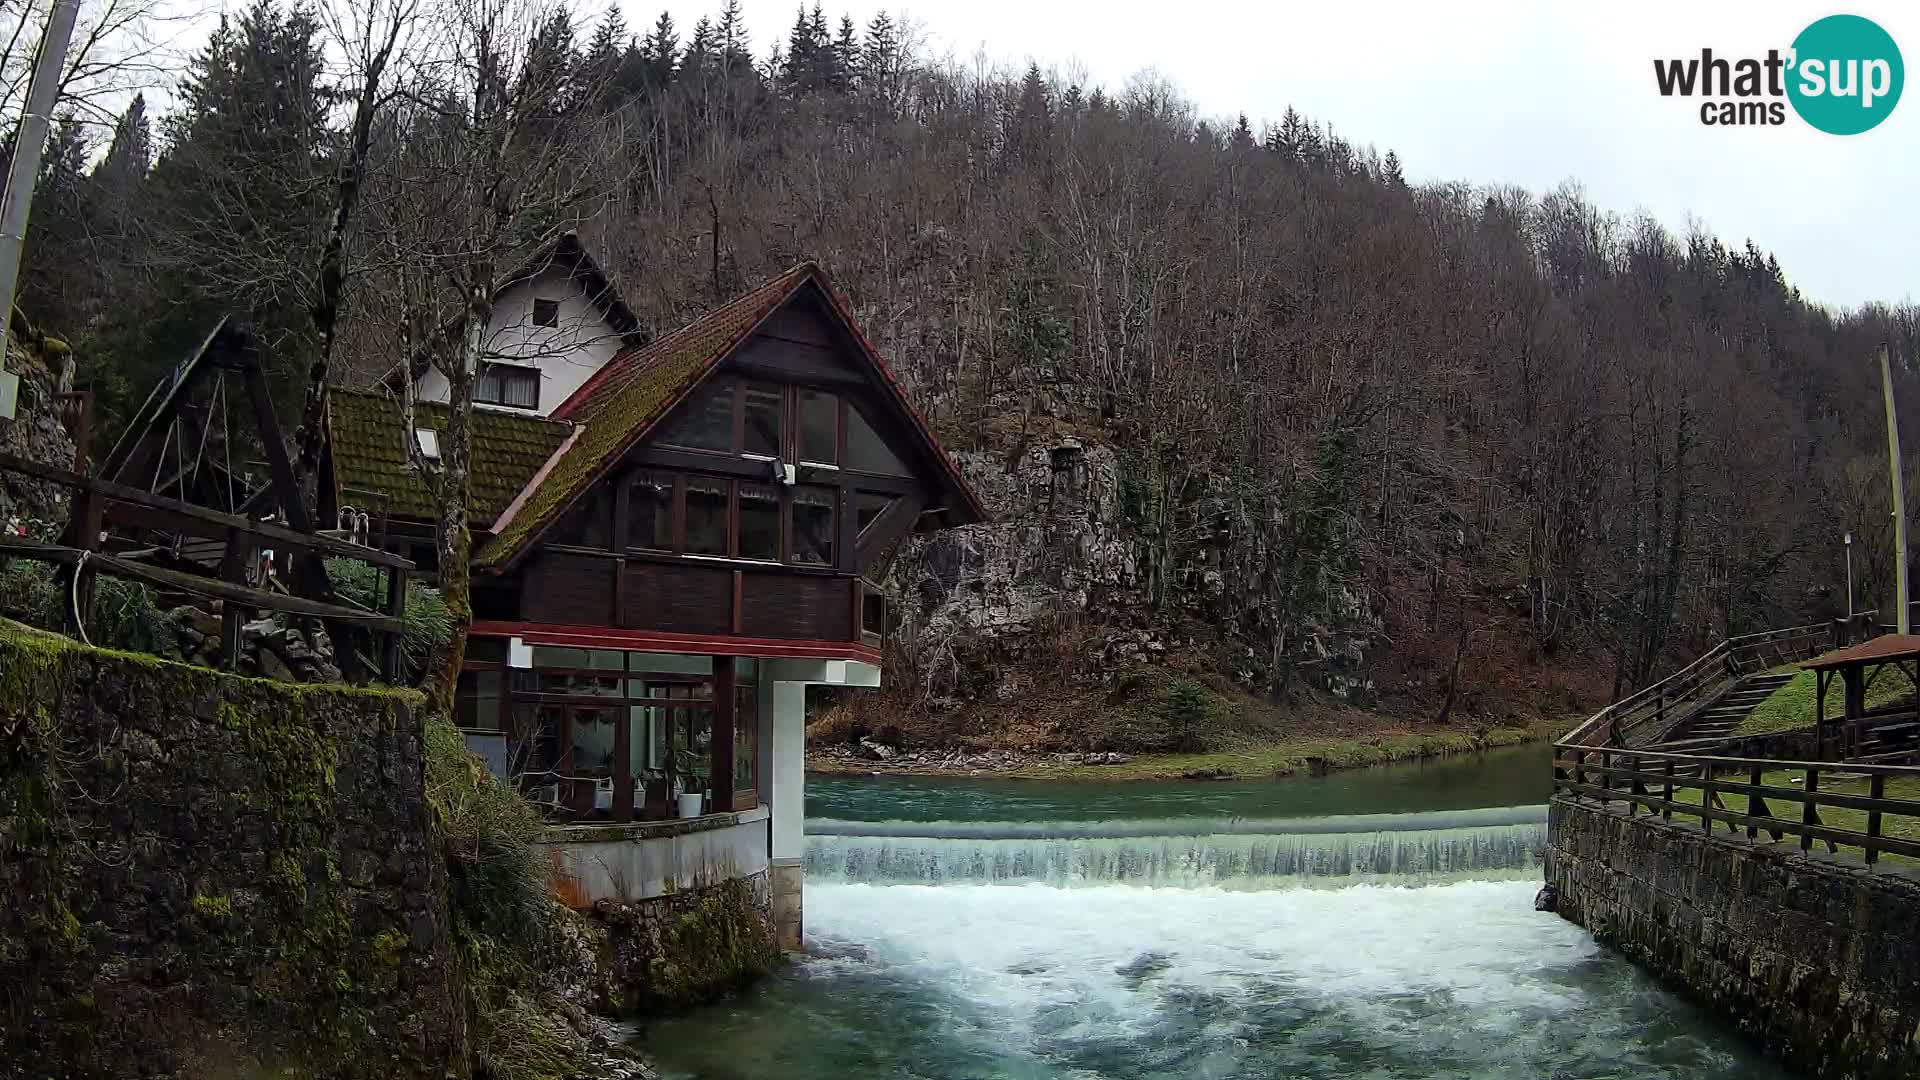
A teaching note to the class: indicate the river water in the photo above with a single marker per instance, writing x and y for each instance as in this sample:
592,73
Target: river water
1374,924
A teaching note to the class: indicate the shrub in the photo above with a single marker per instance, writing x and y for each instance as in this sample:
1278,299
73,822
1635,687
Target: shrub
426,619
1187,714
125,614
497,879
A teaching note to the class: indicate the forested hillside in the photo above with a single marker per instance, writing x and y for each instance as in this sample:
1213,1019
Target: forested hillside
1249,406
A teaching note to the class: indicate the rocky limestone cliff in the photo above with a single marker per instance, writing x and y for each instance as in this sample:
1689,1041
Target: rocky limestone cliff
1062,595
36,433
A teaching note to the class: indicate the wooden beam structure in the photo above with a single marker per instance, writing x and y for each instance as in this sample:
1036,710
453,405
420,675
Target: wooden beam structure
118,566
198,520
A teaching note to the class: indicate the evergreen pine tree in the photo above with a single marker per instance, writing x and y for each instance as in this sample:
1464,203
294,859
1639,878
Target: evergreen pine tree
797,67
1293,134
660,52
57,291
130,153
730,41
547,79
1241,141
1390,171
880,62
846,56
702,58
235,224
599,72
1032,121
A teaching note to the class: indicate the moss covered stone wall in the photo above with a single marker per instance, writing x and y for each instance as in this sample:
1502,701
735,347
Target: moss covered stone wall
689,947
208,875
1816,958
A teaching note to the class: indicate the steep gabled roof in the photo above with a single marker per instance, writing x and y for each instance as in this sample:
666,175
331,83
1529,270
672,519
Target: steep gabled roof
624,400
565,252
562,252
369,455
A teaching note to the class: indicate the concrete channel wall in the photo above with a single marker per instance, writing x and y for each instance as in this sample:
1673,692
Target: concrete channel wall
1812,955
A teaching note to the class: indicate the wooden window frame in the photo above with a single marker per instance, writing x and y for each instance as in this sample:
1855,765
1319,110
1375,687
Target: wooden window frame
518,370
720,700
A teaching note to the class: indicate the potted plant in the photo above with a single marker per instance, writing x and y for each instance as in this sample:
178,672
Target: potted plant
687,787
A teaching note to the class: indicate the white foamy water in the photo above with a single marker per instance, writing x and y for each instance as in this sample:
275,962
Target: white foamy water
1236,853
1116,981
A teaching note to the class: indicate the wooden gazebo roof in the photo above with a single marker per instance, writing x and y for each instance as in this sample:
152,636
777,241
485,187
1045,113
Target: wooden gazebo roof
1887,648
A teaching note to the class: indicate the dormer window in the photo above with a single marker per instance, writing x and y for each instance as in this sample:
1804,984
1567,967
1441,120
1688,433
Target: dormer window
546,312
509,385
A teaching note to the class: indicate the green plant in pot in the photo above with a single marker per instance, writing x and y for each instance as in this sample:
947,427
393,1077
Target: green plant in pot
689,784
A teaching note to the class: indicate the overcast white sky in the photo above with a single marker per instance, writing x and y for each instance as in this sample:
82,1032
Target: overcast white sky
1528,93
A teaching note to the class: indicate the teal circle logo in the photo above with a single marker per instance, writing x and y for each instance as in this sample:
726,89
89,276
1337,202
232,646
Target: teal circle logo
1846,75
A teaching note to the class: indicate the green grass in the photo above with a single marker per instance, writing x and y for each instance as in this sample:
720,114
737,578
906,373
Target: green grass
1905,828
1791,706
1298,755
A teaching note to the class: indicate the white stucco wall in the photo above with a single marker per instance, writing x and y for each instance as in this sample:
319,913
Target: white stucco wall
789,770
566,354
626,866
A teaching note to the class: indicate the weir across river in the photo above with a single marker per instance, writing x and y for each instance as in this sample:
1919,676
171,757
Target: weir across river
1372,923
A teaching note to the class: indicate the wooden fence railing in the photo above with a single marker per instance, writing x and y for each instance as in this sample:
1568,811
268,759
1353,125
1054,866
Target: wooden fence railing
1813,805
1679,693
98,503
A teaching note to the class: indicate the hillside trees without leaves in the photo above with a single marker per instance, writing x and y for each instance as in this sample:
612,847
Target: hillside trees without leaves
1431,404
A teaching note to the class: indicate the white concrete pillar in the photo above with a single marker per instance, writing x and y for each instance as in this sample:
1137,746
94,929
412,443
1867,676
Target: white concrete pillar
789,761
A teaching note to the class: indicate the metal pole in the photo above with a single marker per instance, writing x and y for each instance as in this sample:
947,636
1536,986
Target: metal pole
1849,543
1899,498
24,171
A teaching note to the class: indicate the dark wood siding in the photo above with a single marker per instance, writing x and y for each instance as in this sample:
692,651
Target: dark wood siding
683,598
810,608
572,590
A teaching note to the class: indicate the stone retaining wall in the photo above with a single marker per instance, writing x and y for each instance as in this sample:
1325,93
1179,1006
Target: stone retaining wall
205,875
1813,956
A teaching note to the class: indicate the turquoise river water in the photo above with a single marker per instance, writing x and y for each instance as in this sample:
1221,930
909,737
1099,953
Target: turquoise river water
1369,924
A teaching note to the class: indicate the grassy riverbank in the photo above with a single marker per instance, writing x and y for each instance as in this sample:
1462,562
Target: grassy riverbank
1252,760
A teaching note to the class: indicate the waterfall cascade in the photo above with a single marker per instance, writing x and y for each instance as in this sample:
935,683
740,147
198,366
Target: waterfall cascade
1187,852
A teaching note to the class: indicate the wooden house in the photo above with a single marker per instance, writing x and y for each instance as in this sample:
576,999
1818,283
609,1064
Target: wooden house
668,550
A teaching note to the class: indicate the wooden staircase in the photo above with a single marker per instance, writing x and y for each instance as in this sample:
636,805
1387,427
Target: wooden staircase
1720,718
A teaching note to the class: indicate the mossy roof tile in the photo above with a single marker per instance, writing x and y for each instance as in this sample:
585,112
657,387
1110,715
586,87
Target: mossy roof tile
368,454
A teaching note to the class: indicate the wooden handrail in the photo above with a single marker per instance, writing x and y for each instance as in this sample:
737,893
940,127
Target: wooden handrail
214,524
1629,776
1674,694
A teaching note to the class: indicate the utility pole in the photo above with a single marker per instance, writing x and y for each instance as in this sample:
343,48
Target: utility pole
1899,499
24,171
1849,546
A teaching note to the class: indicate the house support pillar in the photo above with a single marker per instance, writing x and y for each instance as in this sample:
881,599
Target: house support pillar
789,714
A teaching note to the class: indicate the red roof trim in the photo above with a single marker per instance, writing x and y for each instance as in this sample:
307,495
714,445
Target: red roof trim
614,637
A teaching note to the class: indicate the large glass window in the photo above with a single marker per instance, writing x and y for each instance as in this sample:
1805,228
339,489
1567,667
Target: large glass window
867,508
706,516
746,737
759,522
565,745
819,427
813,525
761,434
705,423
589,523
866,450
650,512
476,700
